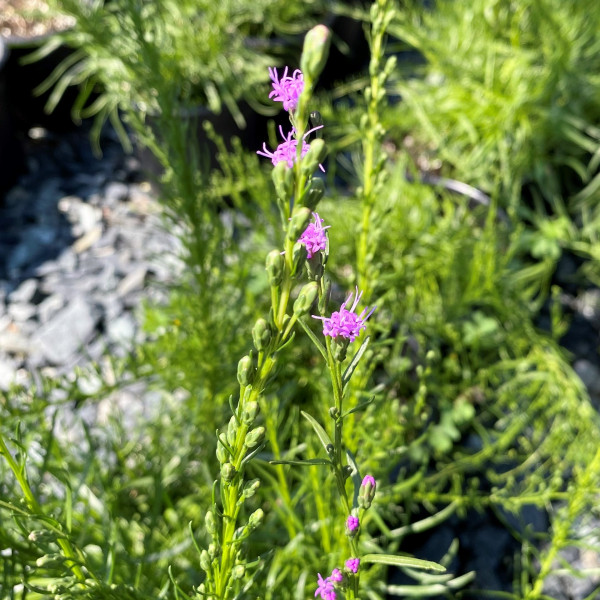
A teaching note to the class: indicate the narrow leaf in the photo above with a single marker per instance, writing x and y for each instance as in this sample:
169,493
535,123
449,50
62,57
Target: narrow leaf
314,338
359,407
354,362
325,439
402,561
302,463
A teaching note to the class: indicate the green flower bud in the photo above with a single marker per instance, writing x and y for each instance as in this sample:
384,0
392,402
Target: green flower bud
228,471
245,372
250,488
50,561
283,180
238,571
275,266
254,437
298,222
209,521
205,561
314,157
314,194
214,550
256,518
315,267
222,453
339,346
261,334
315,51
250,412
232,429
42,536
306,298
298,257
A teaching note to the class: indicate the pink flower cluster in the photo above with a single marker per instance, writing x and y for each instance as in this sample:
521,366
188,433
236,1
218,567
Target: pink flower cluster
314,236
346,323
287,150
287,89
326,587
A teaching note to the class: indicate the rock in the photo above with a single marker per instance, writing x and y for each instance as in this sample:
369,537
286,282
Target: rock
25,291
67,332
12,341
8,373
87,240
49,306
21,311
132,281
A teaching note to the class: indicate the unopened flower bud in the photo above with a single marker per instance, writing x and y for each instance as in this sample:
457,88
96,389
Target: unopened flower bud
352,525
209,521
261,334
339,347
315,267
352,564
41,536
298,257
238,571
214,550
283,180
314,157
367,491
205,561
232,429
256,518
315,193
245,372
314,52
254,437
275,266
222,452
228,471
306,298
250,412
250,488
50,561
298,222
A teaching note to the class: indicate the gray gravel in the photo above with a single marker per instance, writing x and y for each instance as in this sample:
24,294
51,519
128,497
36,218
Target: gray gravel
81,243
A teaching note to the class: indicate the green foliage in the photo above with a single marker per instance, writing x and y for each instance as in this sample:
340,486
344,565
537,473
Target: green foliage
456,400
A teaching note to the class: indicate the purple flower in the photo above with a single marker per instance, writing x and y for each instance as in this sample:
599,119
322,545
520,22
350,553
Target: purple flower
352,523
314,237
286,151
352,564
336,576
346,323
287,89
325,588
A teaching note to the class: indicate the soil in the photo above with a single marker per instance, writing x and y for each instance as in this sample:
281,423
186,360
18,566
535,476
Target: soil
27,19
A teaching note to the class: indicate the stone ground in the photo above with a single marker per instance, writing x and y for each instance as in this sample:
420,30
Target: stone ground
82,244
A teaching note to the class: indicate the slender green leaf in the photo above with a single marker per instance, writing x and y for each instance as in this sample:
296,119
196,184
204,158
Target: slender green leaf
354,362
311,462
325,439
402,561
